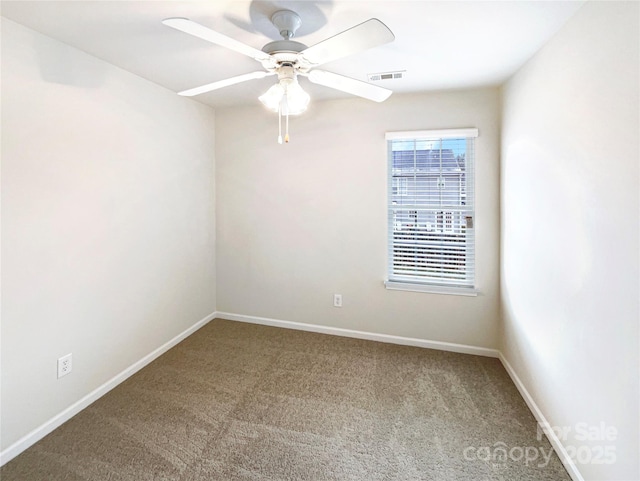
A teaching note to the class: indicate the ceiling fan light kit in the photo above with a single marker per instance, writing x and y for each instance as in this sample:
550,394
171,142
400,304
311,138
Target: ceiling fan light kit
286,90
289,59
286,98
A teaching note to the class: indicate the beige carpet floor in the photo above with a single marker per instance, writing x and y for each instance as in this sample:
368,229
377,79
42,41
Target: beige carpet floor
238,401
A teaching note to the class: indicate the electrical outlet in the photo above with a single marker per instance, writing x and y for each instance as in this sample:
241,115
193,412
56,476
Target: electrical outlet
337,300
64,365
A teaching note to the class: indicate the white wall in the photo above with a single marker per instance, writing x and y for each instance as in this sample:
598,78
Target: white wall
108,223
297,223
569,182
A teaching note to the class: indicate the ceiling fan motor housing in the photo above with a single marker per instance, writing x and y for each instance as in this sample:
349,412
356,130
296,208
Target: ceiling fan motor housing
286,50
284,46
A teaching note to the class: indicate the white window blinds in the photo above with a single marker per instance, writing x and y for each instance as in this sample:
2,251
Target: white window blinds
431,208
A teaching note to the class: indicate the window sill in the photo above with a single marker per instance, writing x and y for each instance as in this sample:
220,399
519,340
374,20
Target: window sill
454,291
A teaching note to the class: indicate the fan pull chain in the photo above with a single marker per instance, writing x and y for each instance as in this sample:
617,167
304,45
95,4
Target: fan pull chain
286,135
279,124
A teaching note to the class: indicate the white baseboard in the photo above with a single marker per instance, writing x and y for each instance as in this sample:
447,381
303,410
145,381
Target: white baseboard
566,460
41,431
371,336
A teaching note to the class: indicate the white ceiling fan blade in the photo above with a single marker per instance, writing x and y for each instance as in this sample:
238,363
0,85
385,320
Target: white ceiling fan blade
192,28
367,35
349,85
223,83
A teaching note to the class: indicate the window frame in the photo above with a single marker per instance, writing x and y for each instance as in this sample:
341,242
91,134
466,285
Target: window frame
395,282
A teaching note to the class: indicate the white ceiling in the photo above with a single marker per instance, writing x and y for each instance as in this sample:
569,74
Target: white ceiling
440,44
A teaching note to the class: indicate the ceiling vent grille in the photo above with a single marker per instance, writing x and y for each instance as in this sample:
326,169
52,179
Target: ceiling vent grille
378,77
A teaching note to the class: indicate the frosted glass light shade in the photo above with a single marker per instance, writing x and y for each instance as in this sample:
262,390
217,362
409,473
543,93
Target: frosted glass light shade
289,98
272,97
296,99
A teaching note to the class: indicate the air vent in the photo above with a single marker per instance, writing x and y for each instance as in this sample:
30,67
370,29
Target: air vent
378,77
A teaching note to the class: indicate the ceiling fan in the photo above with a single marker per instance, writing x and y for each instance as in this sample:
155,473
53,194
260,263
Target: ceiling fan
289,59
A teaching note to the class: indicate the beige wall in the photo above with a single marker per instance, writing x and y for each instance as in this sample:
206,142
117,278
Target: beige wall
108,223
297,223
570,243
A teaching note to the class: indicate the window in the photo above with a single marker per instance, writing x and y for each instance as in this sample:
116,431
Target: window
431,212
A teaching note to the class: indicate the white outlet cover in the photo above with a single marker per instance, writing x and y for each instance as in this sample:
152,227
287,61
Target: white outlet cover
337,300
65,364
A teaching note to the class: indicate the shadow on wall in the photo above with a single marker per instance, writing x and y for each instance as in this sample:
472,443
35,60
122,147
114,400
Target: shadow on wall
57,66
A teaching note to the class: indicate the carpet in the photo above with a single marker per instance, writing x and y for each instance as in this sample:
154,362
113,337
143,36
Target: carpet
238,401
